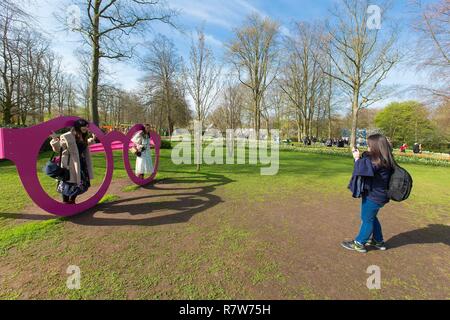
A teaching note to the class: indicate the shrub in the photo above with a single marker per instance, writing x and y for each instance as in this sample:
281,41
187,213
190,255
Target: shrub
166,144
13,126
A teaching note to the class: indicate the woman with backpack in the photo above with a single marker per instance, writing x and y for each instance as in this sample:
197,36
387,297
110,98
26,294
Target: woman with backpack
76,157
370,180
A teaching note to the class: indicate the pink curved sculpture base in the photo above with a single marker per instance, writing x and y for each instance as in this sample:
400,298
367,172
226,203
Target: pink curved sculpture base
12,142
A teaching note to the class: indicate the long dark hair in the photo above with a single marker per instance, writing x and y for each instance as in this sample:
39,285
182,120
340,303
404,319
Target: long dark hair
145,132
381,151
79,135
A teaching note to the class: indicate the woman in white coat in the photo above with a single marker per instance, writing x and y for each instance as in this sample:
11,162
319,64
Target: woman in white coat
144,163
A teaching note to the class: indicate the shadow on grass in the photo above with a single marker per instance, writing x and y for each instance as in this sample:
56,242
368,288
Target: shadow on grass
434,233
175,196
182,197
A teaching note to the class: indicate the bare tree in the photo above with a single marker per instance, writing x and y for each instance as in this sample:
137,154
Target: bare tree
36,49
107,26
302,78
60,88
228,115
202,77
253,53
329,104
276,106
361,57
162,82
21,50
328,88
84,79
233,101
8,7
202,80
9,49
433,26
71,96
52,68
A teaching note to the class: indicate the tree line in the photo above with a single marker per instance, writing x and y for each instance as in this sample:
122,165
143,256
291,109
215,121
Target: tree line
299,80
33,81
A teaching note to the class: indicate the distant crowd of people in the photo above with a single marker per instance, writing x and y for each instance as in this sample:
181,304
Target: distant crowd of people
417,148
340,143
345,142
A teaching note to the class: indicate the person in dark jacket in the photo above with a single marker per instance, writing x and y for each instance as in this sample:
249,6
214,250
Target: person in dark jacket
370,181
417,149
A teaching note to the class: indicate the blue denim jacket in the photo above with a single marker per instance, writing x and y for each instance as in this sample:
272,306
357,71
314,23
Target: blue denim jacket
370,181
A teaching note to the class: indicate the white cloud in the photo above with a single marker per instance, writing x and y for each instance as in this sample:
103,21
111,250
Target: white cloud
249,8
206,16
226,14
219,17
285,31
213,40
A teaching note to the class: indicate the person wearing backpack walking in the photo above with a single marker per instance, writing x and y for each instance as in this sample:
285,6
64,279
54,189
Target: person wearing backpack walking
370,181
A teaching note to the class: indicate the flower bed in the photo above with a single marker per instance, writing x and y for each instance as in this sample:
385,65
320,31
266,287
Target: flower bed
439,160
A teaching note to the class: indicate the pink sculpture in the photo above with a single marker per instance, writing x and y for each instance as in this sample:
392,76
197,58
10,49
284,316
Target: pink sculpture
22,146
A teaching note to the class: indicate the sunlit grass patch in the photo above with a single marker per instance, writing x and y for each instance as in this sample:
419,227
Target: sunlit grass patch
131,188
21,234
109,198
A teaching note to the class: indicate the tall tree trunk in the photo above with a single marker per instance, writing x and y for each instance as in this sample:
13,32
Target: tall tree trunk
304,126
49,107
330,93
299,127
318,124
168,99
355,111
24,118
329,121
256,115
199,145
258,102
7,104
93,96
41,107
416,139
310,125
7,111
86,105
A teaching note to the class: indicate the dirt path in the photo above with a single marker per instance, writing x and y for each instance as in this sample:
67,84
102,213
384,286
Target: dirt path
186,239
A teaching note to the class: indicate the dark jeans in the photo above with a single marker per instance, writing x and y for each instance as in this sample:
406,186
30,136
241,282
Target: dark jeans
370,223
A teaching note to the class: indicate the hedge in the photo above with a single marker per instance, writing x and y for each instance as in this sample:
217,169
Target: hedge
166,144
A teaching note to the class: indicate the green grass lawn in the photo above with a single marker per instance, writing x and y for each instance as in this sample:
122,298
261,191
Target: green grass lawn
311,175
299,172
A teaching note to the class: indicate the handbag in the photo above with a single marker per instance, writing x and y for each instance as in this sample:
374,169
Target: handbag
54,170
71,189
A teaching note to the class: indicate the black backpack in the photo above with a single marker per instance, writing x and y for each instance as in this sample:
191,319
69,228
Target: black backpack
54,169
400,185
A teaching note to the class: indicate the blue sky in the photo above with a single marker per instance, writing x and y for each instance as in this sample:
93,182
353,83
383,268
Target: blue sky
218,17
